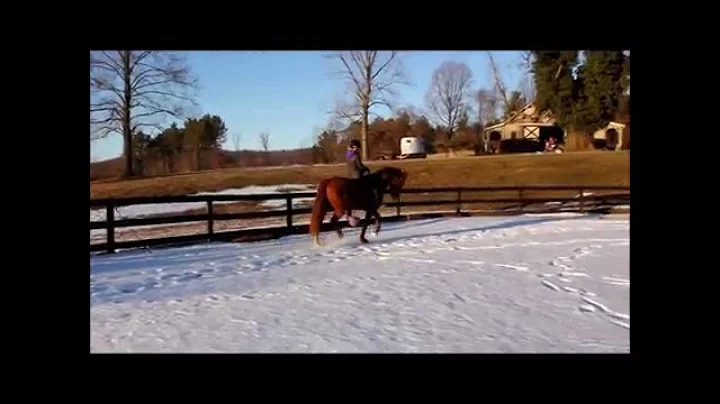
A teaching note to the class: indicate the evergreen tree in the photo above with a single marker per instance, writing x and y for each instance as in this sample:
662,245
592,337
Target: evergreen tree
554,83
600,86
582,97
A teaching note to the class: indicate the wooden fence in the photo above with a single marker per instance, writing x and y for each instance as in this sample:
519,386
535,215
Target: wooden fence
584,203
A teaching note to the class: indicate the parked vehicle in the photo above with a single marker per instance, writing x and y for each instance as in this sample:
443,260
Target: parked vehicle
412,147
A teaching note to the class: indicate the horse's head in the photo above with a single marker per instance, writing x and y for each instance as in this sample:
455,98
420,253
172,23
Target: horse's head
395,180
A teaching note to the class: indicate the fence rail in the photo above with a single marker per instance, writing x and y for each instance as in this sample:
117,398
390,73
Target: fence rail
522,201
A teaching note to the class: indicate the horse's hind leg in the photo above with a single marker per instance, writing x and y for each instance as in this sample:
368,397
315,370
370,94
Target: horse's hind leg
334,220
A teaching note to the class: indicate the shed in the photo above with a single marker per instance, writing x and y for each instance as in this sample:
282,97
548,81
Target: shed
612,137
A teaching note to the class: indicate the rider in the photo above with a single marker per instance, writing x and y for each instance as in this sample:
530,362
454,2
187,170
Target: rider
356,169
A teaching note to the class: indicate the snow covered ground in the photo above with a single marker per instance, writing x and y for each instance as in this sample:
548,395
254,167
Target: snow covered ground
534,283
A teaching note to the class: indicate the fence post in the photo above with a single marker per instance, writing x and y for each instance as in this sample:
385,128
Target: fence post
582,200
211,219
110,219
289,215
459,200
521,199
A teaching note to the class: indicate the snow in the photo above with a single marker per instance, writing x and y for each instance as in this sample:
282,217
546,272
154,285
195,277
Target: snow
268,189
533,283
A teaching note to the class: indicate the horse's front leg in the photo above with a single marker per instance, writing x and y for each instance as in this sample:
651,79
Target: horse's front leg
368,216
377,218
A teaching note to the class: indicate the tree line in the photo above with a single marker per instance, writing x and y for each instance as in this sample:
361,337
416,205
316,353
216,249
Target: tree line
583,89
384,135
191,141
133,93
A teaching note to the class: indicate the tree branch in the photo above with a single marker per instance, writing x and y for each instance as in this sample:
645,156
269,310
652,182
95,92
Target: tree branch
370,81
499,86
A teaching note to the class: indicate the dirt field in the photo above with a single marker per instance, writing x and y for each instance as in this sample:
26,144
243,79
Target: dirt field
583,168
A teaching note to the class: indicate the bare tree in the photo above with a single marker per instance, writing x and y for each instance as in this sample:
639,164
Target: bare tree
486,106
236,137
130,90
498,84
525,87
411,110
527,84
449,95
370,77
265,140
526,60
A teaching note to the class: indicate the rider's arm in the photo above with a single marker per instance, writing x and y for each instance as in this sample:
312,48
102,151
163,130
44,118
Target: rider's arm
362,169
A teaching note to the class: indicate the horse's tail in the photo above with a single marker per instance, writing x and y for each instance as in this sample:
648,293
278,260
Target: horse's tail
319,207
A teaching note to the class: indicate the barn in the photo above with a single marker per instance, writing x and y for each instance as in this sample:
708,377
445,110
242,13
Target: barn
526,126
528,129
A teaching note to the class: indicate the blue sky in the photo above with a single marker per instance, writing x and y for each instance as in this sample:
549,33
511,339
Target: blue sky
289,94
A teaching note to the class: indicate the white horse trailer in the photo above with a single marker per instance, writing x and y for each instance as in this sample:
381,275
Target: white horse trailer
412,147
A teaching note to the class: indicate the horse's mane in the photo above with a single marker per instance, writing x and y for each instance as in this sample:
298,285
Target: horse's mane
380,173
378,178
392,170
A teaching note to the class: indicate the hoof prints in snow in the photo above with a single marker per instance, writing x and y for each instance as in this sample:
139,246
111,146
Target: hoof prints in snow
621,324
568,273
381,251
616,281
586,293
273,283
551,285
592,305
515,267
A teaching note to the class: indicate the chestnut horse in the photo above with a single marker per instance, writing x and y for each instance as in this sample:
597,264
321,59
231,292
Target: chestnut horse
343,195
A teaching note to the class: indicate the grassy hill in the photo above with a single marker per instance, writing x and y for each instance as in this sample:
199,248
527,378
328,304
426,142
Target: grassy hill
585,168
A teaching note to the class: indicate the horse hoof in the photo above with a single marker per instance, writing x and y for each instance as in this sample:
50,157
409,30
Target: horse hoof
340,235
364,240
